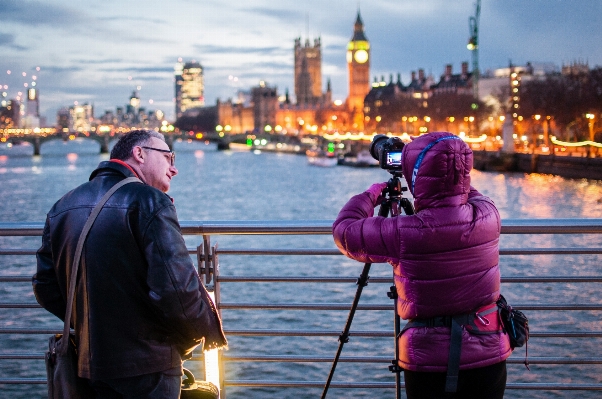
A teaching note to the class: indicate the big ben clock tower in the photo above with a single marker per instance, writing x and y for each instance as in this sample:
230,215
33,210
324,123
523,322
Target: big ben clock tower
358,63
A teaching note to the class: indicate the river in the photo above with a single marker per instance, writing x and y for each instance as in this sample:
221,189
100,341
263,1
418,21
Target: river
231,185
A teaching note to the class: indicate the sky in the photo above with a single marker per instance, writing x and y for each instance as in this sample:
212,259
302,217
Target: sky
100,51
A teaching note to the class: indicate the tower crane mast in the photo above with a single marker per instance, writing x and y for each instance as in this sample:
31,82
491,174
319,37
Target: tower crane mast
473,45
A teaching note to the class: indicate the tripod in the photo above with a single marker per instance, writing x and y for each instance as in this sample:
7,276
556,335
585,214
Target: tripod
393,203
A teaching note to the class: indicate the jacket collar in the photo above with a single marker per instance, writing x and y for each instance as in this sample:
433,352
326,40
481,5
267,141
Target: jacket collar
113,166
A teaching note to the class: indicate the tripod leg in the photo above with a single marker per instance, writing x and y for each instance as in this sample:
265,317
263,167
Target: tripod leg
362,281
397,368
394,368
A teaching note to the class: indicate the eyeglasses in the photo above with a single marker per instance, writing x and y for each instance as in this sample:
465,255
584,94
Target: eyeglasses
173,154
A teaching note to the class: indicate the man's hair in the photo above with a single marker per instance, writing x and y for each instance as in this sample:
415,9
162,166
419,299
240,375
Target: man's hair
123,148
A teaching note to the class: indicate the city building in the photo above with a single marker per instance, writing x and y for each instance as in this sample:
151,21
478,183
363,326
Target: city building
190,87
9,114
358,66
457,84
308,72
81,118
313,112
265,106
31,119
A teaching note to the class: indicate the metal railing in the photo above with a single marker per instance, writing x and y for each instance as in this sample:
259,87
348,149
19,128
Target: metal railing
209,257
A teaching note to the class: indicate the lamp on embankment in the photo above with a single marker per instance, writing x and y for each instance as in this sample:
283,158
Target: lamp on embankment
590,125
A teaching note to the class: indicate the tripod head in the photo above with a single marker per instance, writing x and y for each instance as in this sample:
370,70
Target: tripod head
394,200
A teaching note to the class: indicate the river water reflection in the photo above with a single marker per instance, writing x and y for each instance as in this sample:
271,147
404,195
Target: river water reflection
231,185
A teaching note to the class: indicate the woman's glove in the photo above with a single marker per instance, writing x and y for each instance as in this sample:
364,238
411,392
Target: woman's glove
376,193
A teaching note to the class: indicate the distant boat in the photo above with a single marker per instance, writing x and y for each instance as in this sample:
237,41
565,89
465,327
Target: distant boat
361,159
238,147
321,158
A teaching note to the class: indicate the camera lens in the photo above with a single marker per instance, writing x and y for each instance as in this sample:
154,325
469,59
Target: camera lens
377,146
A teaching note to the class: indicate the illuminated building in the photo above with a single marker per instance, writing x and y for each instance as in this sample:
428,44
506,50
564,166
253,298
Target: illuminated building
32,110
358,64
33,103
190,86
82,117
9,114
308,72
265,106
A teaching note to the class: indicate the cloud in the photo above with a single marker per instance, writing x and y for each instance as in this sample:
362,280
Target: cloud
8,40
279,14
36,13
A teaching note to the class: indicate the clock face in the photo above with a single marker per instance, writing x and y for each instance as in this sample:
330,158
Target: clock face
361,56
348,57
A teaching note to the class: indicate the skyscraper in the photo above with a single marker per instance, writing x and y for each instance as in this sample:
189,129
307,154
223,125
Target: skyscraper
358,64
190,86
31,118
308,72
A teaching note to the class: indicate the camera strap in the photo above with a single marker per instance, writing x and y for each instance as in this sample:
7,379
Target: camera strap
421,157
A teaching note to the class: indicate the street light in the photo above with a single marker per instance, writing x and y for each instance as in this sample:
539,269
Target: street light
590,124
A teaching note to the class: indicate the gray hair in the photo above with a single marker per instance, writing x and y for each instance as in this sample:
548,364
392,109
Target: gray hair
123,148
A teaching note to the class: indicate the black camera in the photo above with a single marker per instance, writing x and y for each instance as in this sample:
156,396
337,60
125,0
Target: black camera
387,151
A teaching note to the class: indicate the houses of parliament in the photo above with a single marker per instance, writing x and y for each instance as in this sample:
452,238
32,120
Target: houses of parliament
314,112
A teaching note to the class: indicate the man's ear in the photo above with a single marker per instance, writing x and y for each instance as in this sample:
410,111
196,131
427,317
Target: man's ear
138,154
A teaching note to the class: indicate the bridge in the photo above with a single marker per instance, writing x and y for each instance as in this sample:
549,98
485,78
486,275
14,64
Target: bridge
38,136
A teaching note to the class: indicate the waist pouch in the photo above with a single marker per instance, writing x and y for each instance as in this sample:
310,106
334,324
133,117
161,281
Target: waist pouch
484,320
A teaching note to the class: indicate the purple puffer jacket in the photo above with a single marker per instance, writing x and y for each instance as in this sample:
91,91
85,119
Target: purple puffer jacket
445,257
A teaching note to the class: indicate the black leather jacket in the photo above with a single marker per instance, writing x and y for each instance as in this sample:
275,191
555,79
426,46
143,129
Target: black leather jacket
140,305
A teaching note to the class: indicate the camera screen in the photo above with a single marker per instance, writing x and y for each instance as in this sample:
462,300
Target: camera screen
394,158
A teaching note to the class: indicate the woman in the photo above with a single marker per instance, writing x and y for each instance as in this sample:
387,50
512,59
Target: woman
445,260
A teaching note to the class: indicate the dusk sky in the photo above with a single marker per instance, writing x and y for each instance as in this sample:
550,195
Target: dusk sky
98,52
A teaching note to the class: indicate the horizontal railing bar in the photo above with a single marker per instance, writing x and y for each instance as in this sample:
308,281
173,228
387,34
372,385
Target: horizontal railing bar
22,356
550,251
347,385
325,333
388,280
19,306
359,333
327,251
301,306
15,279
307,384
58,330
314,227
335,306
23,381
555,387
346,306
343,359
306,333
389,385
320,251
18,251
328,279
387,359
278,251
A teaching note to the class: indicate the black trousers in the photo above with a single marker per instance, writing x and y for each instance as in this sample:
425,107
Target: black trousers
481,383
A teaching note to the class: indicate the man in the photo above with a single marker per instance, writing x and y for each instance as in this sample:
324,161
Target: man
140,307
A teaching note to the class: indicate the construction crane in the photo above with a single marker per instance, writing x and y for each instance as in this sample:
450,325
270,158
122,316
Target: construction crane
473,45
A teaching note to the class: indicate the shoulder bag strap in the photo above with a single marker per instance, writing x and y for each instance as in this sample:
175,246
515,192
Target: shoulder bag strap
80,246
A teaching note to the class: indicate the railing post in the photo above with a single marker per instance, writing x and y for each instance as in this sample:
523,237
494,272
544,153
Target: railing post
205,259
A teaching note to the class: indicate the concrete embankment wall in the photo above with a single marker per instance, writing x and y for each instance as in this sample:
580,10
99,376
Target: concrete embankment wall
565,166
